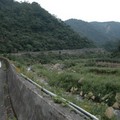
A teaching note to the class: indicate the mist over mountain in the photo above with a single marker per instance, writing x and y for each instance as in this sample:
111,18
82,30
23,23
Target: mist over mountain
102,33
28,27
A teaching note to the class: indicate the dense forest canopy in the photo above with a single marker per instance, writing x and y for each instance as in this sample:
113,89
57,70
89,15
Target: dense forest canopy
28,27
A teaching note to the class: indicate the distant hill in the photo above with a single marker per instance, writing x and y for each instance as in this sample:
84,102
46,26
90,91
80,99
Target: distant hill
28,27
102,33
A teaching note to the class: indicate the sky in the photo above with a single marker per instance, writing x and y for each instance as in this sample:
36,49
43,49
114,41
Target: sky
87,10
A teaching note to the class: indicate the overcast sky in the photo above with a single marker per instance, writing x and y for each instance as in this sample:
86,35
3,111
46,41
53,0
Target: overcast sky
88,10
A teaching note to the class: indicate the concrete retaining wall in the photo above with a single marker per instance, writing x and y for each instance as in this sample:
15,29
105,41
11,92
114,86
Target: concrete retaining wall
30,103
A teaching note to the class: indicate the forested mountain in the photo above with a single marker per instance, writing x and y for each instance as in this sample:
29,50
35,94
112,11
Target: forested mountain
28,27
102,33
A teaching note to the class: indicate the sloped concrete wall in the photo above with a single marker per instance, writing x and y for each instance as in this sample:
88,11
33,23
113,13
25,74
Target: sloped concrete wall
29,103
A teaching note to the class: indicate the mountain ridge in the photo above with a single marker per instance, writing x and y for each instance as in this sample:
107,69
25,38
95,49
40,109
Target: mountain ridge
100,32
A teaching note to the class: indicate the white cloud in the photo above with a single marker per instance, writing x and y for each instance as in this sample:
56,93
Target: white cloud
89,10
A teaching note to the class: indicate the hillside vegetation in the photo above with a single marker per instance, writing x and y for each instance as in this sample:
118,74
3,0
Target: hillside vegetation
28,27
104,34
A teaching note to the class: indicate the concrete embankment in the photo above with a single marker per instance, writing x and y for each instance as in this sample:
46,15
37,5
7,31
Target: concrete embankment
30,103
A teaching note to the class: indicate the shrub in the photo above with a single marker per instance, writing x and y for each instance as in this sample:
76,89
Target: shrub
67,81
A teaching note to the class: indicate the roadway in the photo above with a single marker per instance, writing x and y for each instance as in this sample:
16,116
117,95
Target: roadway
2,104
6,111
